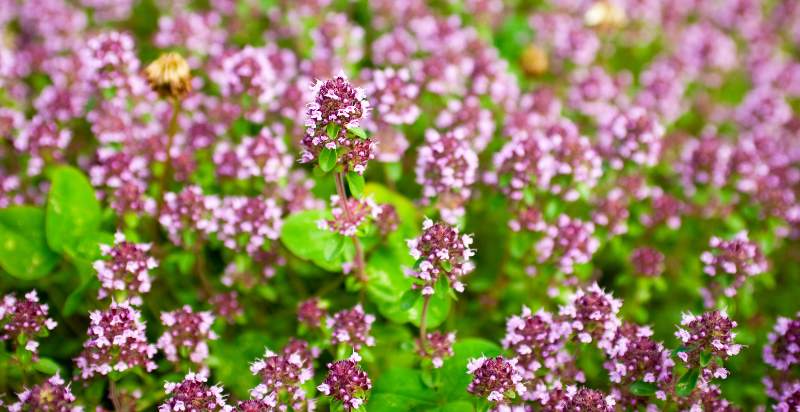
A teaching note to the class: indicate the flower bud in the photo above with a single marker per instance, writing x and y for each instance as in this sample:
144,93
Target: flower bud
534,60
169,76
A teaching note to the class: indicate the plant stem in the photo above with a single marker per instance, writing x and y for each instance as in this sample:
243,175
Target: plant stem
423,335
359,258
112,388
200,268
171,131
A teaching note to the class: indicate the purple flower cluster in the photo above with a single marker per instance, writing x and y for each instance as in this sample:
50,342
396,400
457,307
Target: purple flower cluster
393,94
52,395
226,306
552,158
264,156
567,243
337,106
446,169
188,212
783,348
438,346
187,334
194,395
581,399
647,261
593,315
248,224
126,272
496,379
248,75
346,382
310,312
738,258
24,320
282,376
537,340
351,327
636,356
349,215
117,342
707,340
440,251
632,136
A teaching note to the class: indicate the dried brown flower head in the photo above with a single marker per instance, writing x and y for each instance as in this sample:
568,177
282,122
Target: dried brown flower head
169,76
534,60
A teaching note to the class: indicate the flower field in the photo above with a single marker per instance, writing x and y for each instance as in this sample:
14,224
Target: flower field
417,205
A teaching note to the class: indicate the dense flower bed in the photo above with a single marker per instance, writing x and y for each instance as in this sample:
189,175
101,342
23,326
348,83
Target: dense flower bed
381,205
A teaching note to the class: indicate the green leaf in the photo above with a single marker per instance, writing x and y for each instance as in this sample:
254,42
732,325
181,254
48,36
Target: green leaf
641,388
438,310
46,366
327,160
89,247
356,183
303,237
400,389
332,130
78,296
334,248
409,299
705,358
230,359
23,248
687,382
361,133
73,211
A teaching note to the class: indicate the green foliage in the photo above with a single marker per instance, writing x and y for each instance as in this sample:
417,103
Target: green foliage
447,391
73,211
687,382
327,159
24,252
303,237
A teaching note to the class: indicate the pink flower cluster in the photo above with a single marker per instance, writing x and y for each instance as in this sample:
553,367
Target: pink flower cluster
126,272
24,320
350,215
441,251
282,377
553,158
248,224
446,169
783,348
438,346
117,342
338,105
187,334
51,395
264,156
593,315
188,212
707,340
310,312
496,379
346,382
194,395
567,243
738,258
351,327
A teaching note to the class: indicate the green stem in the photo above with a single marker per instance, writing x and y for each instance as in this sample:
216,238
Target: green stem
359,258
423,335
114,394
164,180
